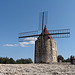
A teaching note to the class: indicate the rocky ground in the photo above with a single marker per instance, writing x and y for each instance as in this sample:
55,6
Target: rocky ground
37,69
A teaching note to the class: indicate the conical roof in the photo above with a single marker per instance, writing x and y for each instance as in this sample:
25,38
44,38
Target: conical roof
46,32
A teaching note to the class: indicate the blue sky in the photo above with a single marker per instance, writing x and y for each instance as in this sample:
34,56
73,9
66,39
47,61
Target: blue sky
23,15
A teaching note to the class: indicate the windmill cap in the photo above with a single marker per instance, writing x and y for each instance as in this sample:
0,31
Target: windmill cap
46,32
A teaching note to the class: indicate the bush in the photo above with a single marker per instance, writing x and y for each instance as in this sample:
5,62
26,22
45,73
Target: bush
24,61
11,61
60,58
5,60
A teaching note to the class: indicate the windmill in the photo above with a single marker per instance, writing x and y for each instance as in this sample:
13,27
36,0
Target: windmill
44,54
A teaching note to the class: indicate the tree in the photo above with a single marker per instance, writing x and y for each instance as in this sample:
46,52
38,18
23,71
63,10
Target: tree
60,58
5,60
1,60
20,61
24,61
29,60
11,61
67,60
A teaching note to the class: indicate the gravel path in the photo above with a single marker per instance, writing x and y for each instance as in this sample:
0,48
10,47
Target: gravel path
37,69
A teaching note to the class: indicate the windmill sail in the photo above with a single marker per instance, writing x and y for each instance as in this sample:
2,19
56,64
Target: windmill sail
32,35
43,16
61,33
27,36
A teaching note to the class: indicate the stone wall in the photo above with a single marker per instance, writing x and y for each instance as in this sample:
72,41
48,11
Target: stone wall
45,50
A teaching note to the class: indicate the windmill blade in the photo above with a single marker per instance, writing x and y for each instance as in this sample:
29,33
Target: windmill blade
28,33
27,36
46,17
45,14
61,33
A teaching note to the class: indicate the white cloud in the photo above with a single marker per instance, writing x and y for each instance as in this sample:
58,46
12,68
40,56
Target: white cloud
24,44
10,45
30,39
32,42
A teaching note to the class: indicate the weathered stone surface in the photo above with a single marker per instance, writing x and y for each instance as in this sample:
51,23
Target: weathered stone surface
45,48
37,69
48,52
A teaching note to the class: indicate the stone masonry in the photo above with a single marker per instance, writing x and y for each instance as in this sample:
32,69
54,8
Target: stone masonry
48,52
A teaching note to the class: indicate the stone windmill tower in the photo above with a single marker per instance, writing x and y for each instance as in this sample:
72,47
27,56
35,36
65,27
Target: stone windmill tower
48,53
45,45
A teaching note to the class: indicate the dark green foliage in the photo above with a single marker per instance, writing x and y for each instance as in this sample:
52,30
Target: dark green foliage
60,58
67,60
63,60
24,61
5,60
11,61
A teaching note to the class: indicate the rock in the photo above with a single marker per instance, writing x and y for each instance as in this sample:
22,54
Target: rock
37,69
